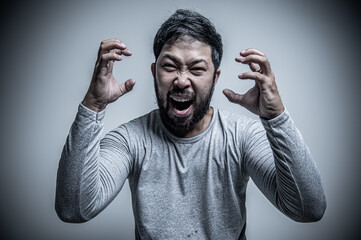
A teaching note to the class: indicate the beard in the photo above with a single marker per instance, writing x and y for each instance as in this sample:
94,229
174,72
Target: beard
182,125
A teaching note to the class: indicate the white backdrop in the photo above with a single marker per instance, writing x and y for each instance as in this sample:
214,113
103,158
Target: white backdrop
48,50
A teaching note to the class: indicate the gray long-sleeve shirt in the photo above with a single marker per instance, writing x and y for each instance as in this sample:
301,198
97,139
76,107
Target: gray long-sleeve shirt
187,188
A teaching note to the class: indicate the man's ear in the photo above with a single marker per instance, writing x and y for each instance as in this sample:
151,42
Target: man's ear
216,76
153,69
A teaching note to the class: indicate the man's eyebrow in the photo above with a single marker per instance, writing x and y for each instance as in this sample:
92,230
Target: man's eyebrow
175,60
194,62
172,58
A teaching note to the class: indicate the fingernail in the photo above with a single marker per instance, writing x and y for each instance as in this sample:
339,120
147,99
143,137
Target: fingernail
122,45
242,58
240,75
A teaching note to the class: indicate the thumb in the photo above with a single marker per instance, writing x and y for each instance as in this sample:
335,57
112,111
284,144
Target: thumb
233,97
127,86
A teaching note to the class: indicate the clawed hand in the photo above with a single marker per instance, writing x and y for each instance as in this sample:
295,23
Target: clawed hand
263,99
104,88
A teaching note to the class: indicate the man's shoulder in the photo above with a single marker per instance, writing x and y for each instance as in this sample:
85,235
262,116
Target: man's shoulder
142,121
227,117
233,124
150,116
139,125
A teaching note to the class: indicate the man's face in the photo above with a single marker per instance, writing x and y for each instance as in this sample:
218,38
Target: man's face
184,79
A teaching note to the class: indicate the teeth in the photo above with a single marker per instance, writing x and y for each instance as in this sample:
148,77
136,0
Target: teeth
180,99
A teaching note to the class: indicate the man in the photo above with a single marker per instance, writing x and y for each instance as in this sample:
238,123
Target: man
187,163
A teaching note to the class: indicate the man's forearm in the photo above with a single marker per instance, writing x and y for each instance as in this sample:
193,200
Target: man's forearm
281,166
81,149
297,177
92,170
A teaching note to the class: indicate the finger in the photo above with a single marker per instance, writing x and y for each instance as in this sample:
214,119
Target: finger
258,77
249,51
127,86
233,97
110,66
254,67
262,61
110,63
126,52
111,41
110,44
111,56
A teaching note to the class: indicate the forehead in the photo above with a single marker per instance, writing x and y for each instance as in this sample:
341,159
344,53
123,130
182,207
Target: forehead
187,49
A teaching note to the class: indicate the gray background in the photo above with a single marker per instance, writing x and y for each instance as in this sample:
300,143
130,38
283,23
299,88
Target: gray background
48,50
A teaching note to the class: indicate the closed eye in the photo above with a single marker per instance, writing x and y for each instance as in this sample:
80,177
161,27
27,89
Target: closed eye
198,70
169,67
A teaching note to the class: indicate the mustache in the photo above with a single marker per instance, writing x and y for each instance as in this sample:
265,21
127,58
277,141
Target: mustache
181,93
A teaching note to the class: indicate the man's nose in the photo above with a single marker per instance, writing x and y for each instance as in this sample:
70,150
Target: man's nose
182,80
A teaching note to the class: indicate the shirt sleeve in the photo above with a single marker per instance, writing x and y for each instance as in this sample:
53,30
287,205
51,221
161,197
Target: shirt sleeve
91,170
280,164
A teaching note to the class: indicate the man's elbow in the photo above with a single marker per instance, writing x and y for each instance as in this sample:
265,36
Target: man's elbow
67,215
313,213
314,216
316,210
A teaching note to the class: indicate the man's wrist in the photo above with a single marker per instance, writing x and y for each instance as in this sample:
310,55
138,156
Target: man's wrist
274,114
92,105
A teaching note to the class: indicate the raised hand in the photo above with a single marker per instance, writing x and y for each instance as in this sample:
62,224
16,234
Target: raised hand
104,88
263,99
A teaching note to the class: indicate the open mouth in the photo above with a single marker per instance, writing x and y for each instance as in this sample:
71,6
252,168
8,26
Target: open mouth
181,105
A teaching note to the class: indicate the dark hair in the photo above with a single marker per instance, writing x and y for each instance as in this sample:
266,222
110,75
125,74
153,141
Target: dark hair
189,23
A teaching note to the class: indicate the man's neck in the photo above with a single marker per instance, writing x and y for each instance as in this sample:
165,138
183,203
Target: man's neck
198,128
